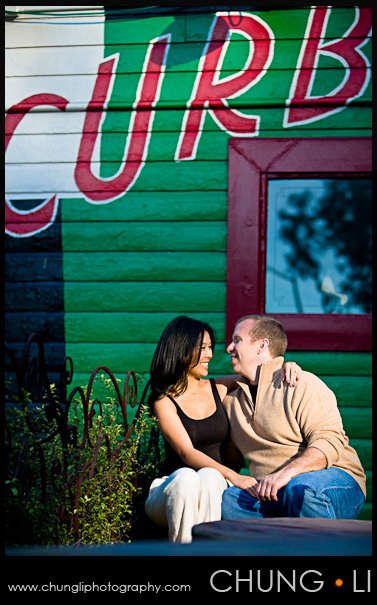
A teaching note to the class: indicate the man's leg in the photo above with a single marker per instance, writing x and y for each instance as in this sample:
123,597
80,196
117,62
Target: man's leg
238,504
329,493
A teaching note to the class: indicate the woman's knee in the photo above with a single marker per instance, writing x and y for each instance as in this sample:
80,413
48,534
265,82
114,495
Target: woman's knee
183,480
211,478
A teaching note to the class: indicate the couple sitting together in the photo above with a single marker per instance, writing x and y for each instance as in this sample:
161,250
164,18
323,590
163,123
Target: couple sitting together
283,421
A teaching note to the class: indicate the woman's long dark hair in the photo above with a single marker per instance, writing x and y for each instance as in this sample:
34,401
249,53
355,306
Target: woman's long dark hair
177,351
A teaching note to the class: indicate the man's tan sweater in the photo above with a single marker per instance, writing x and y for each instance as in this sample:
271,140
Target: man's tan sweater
284,421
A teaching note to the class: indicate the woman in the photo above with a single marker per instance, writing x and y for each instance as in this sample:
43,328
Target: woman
195,429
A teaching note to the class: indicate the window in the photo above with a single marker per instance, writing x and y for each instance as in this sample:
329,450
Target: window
299,238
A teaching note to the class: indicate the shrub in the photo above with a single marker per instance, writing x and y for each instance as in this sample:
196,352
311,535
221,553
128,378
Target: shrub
68,481
32,487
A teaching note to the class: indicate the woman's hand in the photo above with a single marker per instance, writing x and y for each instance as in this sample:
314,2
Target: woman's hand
291,372
244,481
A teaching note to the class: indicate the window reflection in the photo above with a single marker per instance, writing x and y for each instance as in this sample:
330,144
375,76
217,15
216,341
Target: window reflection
319,244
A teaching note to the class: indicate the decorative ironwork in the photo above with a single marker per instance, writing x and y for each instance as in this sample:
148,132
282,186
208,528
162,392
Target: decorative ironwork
32,379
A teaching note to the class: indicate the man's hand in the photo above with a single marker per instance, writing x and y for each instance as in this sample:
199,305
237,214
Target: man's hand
268,487
312,459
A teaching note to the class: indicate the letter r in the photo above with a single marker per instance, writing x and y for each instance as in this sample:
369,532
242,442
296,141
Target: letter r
209,92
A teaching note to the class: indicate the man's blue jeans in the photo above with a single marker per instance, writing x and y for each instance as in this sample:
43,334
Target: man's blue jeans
329,493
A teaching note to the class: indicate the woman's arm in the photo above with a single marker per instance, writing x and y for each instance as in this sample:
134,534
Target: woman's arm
291,371
229,382
176,434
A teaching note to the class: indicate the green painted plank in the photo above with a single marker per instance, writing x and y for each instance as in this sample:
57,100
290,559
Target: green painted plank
171,121
121,357
248,101
155,176
50,123
288,23
137,28
162,145
357,422
154,236
221,362
326,363
177,88
351,391
178,176
366,513
144,266
271,122
185,57
364,450
196,28
145,327
151,206
180,297
140,353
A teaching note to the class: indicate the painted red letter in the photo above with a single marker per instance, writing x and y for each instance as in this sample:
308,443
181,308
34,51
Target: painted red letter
20,223
346,50
210,92
100,190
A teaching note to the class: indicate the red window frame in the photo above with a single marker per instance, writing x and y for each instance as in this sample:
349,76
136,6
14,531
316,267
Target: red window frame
251,163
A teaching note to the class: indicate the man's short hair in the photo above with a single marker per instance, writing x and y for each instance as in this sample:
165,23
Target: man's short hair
267,327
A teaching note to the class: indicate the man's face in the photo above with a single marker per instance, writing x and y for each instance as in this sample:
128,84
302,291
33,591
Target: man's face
243,352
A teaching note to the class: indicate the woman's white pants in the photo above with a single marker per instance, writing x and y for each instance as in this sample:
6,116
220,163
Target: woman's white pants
185,498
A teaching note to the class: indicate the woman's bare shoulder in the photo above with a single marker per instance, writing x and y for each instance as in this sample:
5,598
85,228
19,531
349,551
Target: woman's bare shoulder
222,389
164,403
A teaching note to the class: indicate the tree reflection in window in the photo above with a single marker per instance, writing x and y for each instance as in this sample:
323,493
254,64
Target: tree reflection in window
319,246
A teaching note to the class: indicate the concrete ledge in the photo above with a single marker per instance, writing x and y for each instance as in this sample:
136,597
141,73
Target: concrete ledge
264,537
292,537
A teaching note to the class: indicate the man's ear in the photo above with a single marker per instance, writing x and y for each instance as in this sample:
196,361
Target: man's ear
264,344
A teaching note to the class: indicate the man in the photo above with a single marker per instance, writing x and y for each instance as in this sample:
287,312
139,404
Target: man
294,440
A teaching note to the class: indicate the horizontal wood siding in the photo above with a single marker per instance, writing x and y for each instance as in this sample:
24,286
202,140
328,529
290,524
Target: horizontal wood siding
131,264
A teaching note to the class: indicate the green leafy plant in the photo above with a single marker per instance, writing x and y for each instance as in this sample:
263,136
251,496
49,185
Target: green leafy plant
77,485
101,483
33,455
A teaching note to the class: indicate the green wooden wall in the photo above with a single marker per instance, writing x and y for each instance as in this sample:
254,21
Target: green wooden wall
132,264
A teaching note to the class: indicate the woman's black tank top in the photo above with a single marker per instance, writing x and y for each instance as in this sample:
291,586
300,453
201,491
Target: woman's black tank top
206,435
